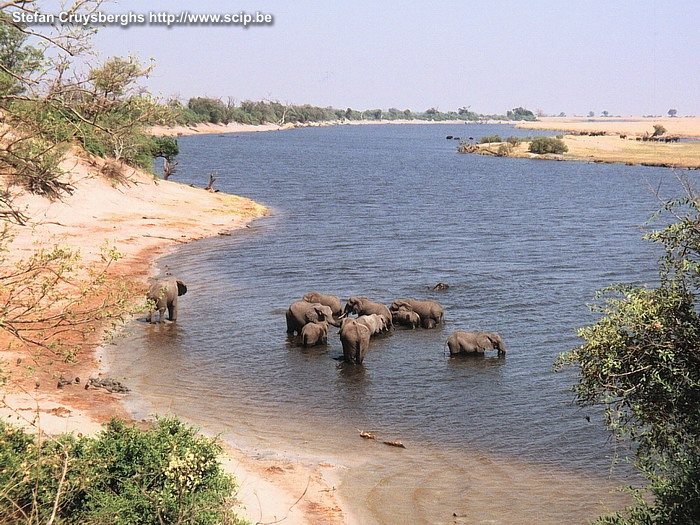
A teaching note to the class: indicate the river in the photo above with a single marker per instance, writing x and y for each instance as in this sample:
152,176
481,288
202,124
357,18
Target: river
387,211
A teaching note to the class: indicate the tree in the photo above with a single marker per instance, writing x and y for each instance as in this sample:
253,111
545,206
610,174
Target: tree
17,59
672,112
641,363
543,145
605,113
520,113
658,130
591,114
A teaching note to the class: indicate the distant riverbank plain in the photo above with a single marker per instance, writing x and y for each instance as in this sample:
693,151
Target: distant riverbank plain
618,143
622,141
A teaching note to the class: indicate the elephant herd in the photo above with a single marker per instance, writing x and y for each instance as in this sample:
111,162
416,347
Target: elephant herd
309,318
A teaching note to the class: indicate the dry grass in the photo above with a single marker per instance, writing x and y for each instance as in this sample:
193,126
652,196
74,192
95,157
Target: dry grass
615,149
682,126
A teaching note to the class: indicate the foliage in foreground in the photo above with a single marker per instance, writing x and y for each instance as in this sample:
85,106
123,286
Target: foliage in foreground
641,363
168,474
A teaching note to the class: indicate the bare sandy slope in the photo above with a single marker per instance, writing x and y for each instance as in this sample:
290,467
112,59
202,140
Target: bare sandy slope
142,218
681,126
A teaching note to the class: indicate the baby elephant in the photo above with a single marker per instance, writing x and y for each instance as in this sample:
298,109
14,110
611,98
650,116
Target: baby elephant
375,322
406,317
164,294
314,334
475,343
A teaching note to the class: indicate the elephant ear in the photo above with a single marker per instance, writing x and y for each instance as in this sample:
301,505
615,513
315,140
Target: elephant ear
181,288
484,341
322,312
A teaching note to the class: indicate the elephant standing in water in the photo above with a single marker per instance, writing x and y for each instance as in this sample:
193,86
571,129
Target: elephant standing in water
329,300
375,322
301,313
406,317
430,312
354,336
363,306
163,294
314,334
461,342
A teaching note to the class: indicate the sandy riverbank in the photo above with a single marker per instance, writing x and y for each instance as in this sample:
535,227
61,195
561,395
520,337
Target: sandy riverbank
620,143
235,127
143,219
688,127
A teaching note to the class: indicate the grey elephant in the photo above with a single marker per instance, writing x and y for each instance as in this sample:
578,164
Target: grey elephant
163,294
431,312
461,342
329,300
375,322
314,334
406,317
364,306
354,336
301,313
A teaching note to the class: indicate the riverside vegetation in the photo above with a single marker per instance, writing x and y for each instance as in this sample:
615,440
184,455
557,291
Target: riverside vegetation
640,361
50,303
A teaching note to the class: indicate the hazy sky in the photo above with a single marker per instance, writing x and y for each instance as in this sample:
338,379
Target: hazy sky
626,57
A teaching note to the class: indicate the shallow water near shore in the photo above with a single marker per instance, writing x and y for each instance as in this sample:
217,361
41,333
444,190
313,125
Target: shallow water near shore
387,212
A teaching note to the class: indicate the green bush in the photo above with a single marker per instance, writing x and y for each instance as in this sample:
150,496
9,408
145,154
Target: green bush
490,138
168,474
542,145
165,147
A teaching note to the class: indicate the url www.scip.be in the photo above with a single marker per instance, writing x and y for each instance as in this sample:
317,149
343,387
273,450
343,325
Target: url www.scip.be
151,18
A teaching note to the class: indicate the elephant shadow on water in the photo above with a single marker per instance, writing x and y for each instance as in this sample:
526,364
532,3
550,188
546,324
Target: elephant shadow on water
351,373
475,361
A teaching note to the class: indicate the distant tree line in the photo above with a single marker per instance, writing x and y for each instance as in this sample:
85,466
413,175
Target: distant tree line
216,111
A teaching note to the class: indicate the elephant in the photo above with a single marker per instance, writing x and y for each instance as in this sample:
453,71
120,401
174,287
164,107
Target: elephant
406,317
329,300
440,287
461,342
363,306
314,334
375,322
163,294
430,312
354,336
303,312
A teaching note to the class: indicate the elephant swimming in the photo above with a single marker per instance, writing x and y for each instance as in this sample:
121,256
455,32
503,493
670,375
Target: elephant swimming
430,312
363,306
461,342
354,336
314,334
301,313
329,300
163,294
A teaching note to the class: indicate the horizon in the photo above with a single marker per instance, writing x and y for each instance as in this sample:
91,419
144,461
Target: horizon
627,58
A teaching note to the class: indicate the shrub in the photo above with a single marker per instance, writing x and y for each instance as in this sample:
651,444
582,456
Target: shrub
504,150
490,138
543,145
168,474
513,141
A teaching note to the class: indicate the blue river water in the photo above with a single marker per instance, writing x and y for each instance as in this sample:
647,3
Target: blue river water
386,212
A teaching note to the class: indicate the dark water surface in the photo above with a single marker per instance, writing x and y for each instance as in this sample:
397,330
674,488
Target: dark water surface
387,212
